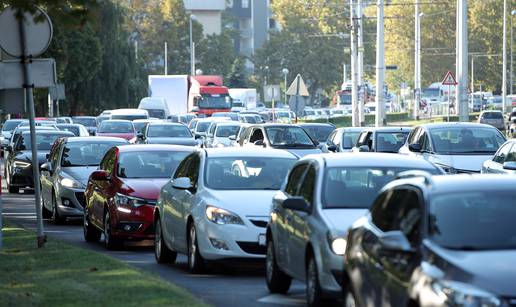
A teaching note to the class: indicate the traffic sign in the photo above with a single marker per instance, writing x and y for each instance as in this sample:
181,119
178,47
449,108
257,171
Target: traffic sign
297,105
272,92
38,33
12,75
57,92
449,79
298,87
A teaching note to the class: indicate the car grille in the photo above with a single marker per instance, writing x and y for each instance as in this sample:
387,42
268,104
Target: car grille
80,198
259,223
252,248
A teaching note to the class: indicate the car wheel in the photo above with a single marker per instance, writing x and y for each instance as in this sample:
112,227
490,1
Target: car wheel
277,281
195,260
91,233
162,253
56,217
314,295
110,241
349,297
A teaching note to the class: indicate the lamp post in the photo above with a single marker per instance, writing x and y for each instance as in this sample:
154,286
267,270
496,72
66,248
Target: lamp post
513,12
417,61
285,73
198,72
192,52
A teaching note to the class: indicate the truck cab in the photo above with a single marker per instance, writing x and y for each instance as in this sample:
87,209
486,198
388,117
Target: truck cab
207,95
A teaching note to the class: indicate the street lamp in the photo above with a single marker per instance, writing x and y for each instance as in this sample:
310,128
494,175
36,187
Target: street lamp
510,69
198,72
285,73
192,51
417,61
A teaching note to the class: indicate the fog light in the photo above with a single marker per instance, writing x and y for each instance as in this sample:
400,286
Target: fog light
127,227
66,202
218,244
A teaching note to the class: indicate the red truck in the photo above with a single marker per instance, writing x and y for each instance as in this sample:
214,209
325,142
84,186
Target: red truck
207,95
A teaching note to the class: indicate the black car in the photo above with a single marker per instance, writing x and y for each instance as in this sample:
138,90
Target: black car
435,241
18,167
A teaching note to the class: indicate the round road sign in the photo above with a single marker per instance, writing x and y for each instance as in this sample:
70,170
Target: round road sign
38,33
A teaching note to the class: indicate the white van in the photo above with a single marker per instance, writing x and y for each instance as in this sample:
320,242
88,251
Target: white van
129,114
156,106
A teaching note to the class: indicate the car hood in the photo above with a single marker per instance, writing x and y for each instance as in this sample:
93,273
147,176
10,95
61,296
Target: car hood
303,152
462,162
341,219
221,140
127,136
488,270
147,188
26,155
172,141
79,173
249,203
6,134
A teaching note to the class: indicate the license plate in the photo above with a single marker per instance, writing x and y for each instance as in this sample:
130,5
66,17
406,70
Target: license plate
262,240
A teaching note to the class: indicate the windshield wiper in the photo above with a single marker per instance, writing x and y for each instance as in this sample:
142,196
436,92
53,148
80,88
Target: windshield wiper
475,151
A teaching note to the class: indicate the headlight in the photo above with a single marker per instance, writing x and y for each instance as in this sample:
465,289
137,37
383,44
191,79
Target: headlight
219,145
221,216
69,183
128,201
21,164
337,243
448,169
456,293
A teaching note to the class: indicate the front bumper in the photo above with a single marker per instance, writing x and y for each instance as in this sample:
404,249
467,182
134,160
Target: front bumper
134,223
70,201
330,271
22,177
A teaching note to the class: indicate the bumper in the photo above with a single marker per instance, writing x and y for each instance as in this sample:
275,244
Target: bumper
135,223
22,178
330,272
230,241
70,202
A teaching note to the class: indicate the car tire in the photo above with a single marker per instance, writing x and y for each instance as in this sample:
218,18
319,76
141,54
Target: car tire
314,293
110,241
162,253
277,280
91,233
57,219
196,263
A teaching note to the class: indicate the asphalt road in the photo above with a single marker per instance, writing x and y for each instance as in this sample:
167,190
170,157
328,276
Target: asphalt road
227,283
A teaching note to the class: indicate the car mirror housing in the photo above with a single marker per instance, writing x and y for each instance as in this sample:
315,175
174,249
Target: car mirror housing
395,241
259,143
232,138
415,147
182,183
46,167
9,148
332,148
100,175
296,204
511,165
363,148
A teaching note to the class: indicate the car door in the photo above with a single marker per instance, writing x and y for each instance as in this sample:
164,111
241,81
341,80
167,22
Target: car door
412,138
47,177
495,165
100,189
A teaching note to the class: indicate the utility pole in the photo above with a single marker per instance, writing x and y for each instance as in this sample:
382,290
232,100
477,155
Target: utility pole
511,82
504,55
380,66
361,62
355,118
472,73
417,61
462,64
192,50
166,59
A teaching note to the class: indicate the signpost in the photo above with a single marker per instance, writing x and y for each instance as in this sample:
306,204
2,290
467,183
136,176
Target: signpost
449,79
297,88
25,38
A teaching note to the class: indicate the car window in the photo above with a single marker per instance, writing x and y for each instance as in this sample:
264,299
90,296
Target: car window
413,136
193,170
177,131
226,131
149,164
54,153
331,138
116,127
390,141
108,162
307,187
349,139
85,153
466,140
256,136
288,136
511,157
294,180
501,155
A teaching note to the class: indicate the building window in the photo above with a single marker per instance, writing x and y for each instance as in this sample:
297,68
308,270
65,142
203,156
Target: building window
245,4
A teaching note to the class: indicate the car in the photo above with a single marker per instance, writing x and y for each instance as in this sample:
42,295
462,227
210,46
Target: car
343,139
120,128
224,134
281,136
503,161
64,176
232,115
493,118
322,197
19,164
202,125
7,129
201,213
435,241
318,131
140,124
64,120
210,133
250,118
90,122
239,141
129,114
456,147
76,129
121,195
382,139
17,133
167,133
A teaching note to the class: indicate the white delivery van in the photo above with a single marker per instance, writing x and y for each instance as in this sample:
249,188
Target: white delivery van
129,114
156,106
173,89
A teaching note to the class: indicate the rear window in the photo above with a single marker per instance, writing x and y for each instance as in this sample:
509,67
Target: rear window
390,142
492,115
116,127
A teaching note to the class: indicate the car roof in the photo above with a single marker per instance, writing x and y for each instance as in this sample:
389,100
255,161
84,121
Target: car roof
247,152
317,125
351,129
117,120
86,117
230,123
165,124
94,139
153,147
470,183
69,125
455,124
370,159
276,125
389,129
50,132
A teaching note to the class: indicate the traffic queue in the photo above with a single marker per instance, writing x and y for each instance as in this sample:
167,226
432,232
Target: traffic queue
392,216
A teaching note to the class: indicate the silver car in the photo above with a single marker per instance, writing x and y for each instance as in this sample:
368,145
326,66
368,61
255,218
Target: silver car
323,196
504,160
224,134
493,118
64,177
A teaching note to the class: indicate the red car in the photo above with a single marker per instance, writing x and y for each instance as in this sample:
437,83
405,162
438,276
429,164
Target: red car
117,128
121,195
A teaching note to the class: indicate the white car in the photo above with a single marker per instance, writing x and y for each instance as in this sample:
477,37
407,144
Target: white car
217,205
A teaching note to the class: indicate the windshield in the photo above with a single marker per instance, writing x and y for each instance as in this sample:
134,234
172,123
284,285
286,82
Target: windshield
86,153
345,99
288,136
116,127
202,126
492,115
10,125
43,141
319,133
459,140
430,92
250,119
357,187
232,116
157,113
349,139
129,117
390,141
486,220
215,101
149,164
172,131
73,129
226,131
247,173
139,126
88,122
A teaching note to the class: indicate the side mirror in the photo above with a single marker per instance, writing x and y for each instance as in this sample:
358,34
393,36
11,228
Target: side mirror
9,148
259,143
363,148
509,166
198,136
47,156
47,167
415,147
332,148
395,241
182,183
296,204
100,176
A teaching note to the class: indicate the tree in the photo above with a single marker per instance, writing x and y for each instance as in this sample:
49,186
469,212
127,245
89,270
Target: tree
237,78
216,54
